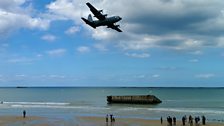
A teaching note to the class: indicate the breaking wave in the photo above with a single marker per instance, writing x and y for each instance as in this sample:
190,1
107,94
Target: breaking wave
174,110
33,104
60,105
66,105
187,110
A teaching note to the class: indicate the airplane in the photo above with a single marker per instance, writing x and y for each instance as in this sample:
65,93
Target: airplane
103,20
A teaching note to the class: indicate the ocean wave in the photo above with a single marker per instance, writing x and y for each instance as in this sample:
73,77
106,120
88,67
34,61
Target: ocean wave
193,100
187,110
37,103
54,105
85,108
65,105
175,110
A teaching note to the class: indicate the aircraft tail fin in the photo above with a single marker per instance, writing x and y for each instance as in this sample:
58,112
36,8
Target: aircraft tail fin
90,18
91,23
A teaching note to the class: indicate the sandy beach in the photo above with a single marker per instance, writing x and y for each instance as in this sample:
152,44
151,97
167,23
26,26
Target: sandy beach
29,121
100,121
82,121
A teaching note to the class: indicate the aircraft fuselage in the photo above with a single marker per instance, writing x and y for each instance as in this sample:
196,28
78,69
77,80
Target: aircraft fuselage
109,20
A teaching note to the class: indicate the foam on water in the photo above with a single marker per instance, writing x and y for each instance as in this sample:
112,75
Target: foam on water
37,103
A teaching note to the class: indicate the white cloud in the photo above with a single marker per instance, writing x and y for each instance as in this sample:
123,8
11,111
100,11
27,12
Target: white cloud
39,55
197,52
68,9
83,49
15,16
156,76
168,68
205,76
34,78
21,75
138,43
138,55
49,37
221,41
191,43
101,34
101,47
72,30
9,4
18,59
57,76
56,52
21,60
193,60
140,76
172,24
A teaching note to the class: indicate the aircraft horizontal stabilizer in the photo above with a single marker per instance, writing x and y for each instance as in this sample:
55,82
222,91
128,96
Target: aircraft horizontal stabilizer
88,22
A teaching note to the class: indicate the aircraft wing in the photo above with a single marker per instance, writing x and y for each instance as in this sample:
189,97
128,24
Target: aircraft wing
97,13
115,27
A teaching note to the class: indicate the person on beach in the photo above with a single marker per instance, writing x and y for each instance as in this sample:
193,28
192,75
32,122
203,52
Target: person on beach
161,120
174,120
111,117
107,118
24,114
169,120
197,119
183,120
191,120
203,120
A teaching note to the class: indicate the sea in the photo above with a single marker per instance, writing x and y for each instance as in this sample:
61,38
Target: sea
69,102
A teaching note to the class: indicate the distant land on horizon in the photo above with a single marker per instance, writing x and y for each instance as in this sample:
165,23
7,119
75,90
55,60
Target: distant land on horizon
99,87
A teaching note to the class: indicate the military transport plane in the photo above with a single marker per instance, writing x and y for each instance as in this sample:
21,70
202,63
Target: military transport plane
103,20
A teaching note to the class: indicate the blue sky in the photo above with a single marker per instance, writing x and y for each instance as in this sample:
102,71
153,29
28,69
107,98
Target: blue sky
163,43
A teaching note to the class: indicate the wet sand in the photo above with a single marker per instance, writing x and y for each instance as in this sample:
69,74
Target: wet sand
28,121
83,121
6,120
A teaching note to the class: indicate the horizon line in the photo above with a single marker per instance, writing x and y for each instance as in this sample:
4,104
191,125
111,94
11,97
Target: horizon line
105,87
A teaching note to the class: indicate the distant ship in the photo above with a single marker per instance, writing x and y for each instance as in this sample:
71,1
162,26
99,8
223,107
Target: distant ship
20,87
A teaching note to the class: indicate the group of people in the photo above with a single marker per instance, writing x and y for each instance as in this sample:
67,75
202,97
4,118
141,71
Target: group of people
169,120
197,120
190,120
172,121
112,118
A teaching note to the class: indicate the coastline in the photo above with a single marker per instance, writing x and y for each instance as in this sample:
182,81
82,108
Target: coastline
66,106
84,121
